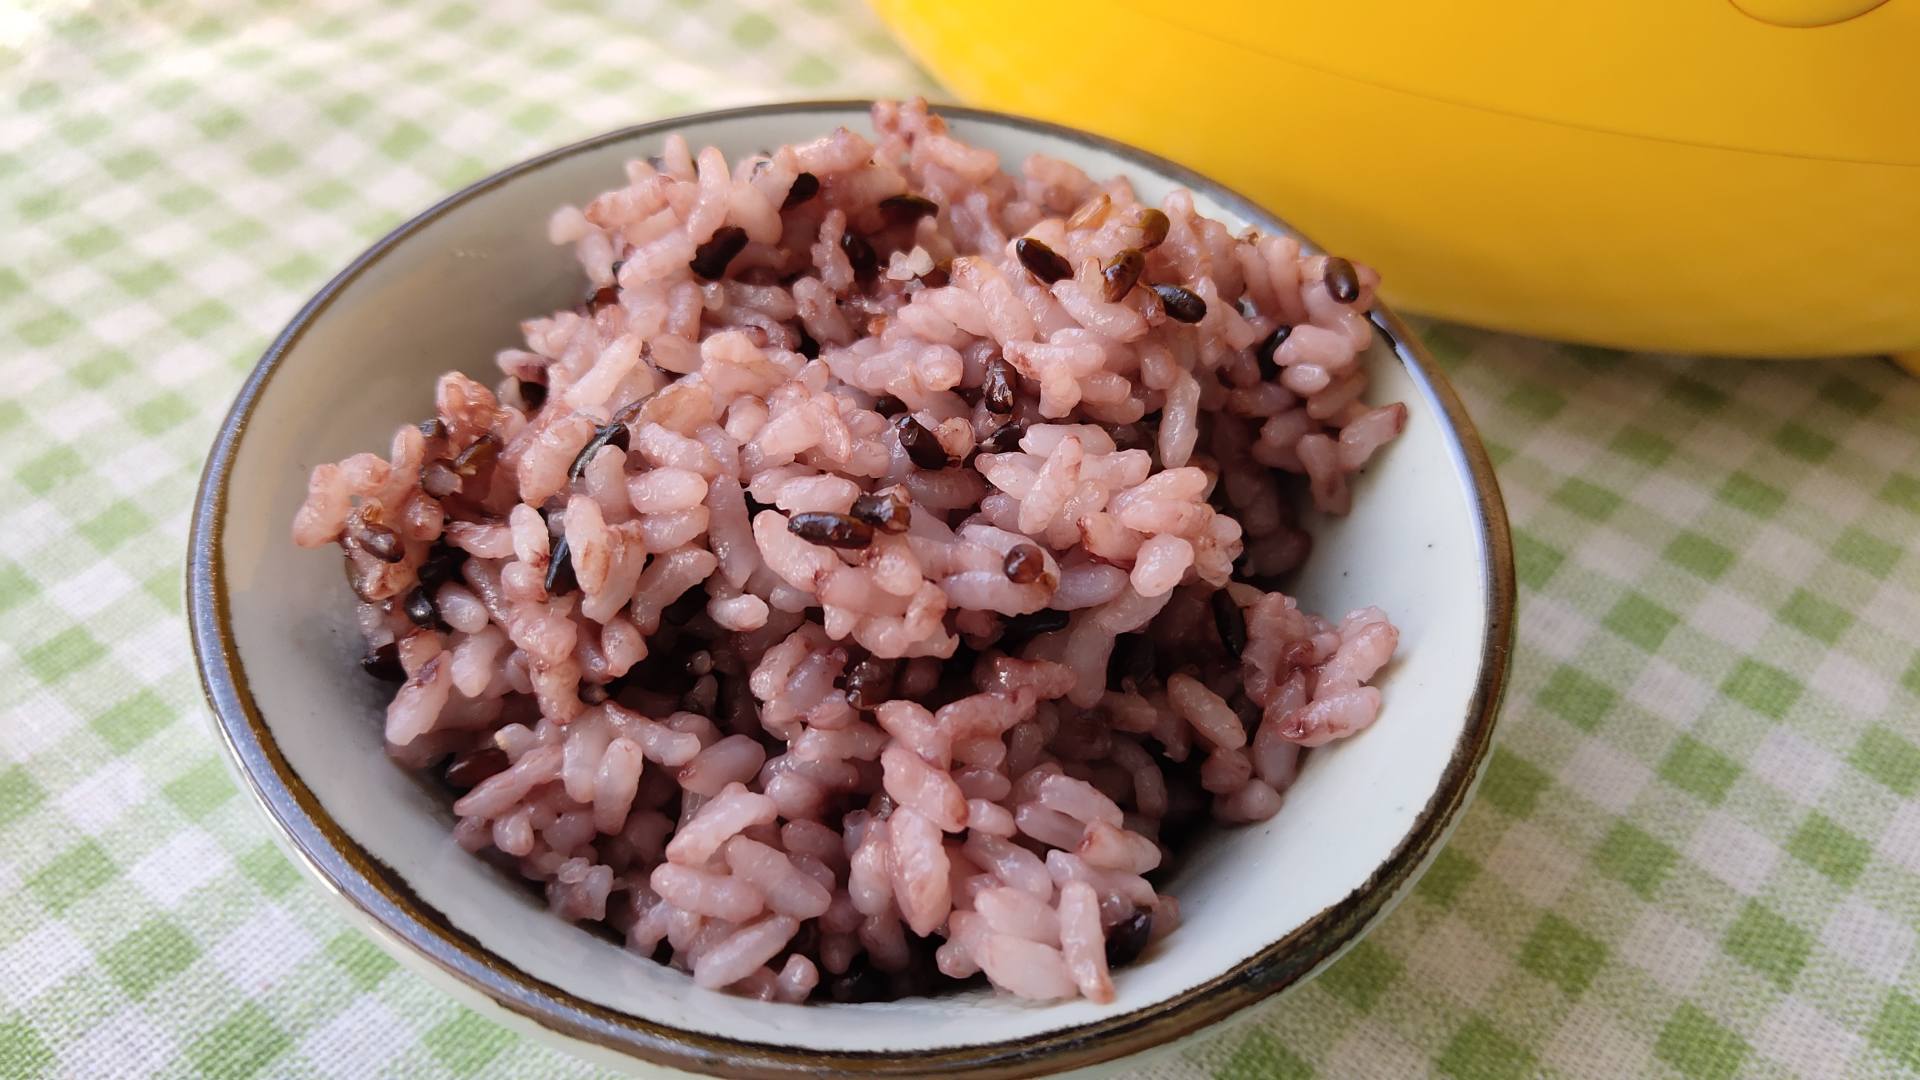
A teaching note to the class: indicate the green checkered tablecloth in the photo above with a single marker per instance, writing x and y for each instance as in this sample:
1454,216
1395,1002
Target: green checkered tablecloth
1696,852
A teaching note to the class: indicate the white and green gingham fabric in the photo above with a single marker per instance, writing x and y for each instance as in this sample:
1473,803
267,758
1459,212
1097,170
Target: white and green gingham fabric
1696,852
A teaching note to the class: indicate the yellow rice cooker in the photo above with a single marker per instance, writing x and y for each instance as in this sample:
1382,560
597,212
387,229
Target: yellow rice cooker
1693,175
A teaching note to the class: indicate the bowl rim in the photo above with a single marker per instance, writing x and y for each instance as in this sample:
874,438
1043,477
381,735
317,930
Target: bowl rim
383,897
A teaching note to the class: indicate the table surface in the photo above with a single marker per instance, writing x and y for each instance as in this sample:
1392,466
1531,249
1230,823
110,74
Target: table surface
1696,851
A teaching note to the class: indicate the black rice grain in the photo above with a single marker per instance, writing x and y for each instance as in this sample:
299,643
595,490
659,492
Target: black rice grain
889,511
560,576
907,209
381,542
613,433
711,258
1133,660
420,608
1129,937
1041,261
1263,353
922,446
1343,284
1024,564
1005,439
1019,628
1230,621
474,766
1118,277
860,256
1153,226
833,530
870,682
478,455
997,391
805,186
383,663
1181,304
438,479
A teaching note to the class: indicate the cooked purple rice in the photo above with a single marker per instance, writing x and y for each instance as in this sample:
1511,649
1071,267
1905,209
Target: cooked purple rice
692,663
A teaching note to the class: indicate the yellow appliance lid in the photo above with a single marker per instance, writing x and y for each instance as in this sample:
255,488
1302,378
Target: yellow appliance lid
1702,72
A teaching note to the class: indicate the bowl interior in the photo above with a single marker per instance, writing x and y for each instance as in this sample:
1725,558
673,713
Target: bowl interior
450,293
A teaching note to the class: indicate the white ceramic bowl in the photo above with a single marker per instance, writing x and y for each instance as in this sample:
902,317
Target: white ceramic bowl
1263,906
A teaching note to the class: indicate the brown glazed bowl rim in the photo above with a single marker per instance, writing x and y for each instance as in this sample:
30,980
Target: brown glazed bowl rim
382,896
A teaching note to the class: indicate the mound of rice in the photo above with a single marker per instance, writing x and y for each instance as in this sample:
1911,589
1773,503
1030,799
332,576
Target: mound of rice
870,585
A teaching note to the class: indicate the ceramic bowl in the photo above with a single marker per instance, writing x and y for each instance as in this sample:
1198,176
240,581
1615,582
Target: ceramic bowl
1264,907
